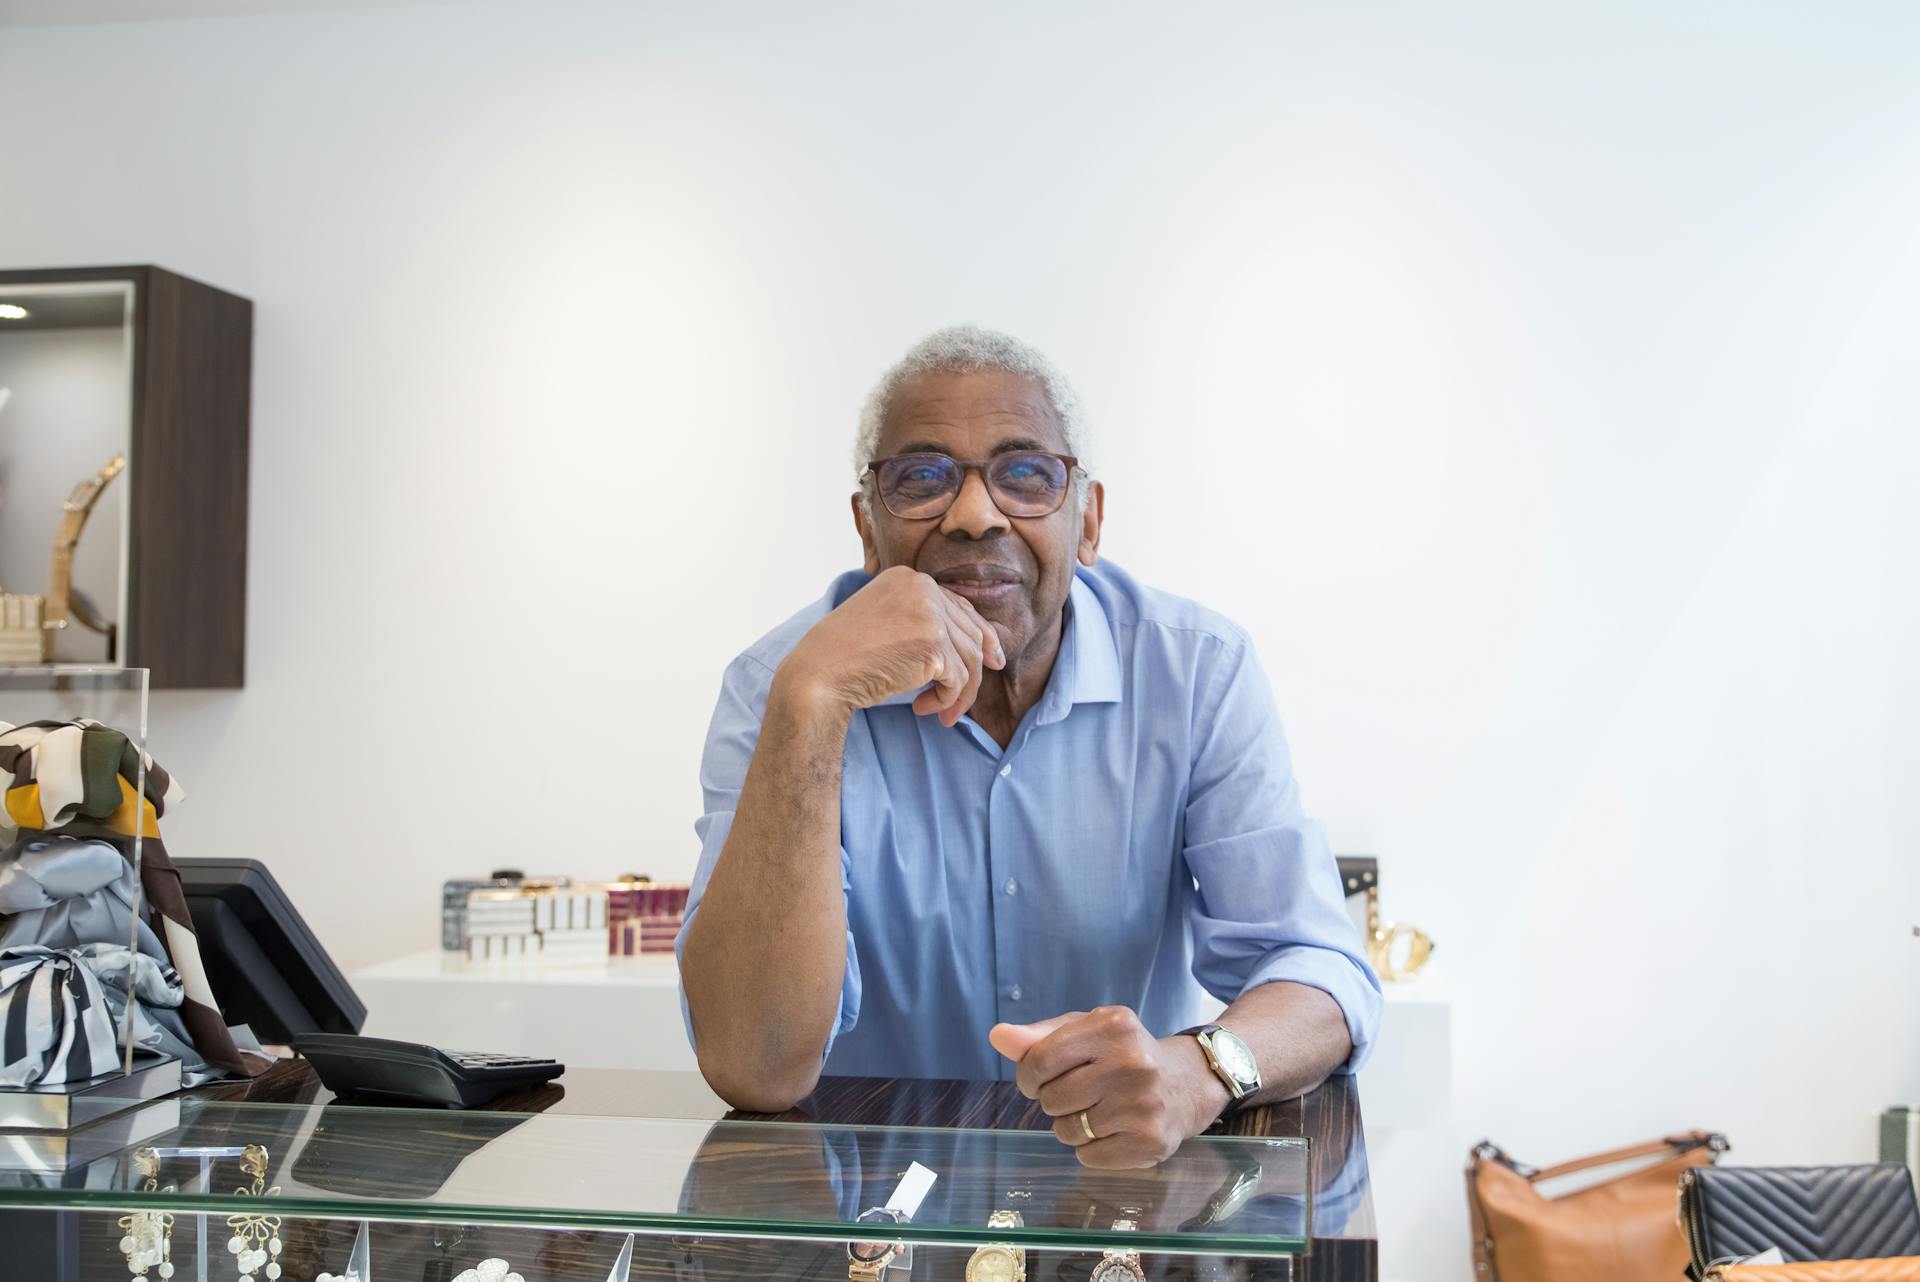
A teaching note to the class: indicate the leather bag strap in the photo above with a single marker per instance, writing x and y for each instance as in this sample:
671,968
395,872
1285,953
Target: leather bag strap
1652,1148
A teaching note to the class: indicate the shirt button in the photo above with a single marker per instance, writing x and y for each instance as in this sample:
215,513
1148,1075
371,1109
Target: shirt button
1013,887
1005,771
1014,993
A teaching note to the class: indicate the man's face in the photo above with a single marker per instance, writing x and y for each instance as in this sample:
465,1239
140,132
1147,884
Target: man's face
1015,570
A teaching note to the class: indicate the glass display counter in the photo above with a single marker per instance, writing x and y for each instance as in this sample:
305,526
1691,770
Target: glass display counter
194,1188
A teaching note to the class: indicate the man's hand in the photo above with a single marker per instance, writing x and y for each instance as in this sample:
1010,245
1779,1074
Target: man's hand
1141,1096
898,633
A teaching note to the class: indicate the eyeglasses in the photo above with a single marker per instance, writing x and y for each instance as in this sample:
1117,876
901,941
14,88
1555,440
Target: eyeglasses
1024,483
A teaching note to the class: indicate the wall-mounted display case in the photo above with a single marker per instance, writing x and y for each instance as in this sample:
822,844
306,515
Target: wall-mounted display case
124,428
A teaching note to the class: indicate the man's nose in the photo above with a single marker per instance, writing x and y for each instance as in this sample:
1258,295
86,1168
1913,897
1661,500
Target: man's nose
973,514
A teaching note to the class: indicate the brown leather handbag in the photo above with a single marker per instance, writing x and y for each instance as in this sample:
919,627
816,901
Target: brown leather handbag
1897,1268
1621,1228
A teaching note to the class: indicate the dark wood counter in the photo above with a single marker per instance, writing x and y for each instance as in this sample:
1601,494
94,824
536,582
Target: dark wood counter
1344,1241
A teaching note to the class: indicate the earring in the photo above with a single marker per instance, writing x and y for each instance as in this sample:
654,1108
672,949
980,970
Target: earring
146,1237
256,1238
495,1270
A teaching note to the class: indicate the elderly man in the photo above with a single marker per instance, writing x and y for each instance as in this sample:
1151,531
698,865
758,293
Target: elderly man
993,808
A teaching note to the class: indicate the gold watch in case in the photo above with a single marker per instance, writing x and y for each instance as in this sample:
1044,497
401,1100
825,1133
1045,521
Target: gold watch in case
869,1261
1120,1266
995,1262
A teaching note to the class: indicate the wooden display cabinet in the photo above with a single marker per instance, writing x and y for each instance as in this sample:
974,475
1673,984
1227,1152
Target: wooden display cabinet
145,363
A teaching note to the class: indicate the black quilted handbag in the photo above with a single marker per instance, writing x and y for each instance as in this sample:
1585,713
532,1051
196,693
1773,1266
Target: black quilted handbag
1809,1212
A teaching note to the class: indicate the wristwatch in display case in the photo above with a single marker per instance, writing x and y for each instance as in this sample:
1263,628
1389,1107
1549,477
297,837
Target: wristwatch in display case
867,1261
996,1262
1120,1266
722,1199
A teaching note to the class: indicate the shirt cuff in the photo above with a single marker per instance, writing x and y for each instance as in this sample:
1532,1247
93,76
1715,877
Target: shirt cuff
1338,976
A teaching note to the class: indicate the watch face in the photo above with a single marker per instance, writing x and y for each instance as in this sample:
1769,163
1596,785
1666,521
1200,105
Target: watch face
869,1252
1235,1057
1117,1271
992,1264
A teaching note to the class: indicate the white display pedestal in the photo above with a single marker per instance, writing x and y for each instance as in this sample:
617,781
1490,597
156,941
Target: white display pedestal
1409,1081
1415,1156
625,1015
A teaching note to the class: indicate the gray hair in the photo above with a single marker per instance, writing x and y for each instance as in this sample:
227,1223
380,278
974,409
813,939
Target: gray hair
968,349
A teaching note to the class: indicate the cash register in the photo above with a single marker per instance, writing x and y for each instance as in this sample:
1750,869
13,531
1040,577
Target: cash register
269,972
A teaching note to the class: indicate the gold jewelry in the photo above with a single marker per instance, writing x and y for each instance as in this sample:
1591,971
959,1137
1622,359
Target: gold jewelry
1382,937
869,1270
256,1238
1120,1266
146,1237
867,1261
61,599
998,1262
1087,1126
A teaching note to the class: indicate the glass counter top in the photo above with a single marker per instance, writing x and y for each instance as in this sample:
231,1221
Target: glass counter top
776,1180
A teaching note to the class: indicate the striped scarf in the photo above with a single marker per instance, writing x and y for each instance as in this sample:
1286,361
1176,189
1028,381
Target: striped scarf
55,1026
77,779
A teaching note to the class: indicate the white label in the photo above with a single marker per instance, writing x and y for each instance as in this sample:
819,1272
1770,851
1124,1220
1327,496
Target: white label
912,1190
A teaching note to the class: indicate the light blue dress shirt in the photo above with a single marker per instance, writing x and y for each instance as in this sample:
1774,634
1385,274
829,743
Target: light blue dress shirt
1139,843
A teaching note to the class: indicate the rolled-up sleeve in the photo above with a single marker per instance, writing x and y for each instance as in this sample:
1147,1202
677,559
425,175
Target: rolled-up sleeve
731,737
1269,904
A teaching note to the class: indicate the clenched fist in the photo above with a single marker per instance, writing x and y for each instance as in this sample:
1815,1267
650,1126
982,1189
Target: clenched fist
898,633
1139,1096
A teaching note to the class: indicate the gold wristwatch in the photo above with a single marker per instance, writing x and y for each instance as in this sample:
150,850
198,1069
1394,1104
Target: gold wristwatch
1120,1266
868,1261
1231,1059
995,1262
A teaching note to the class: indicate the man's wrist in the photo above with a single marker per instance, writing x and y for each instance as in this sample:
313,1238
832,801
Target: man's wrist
800,696
1208,1095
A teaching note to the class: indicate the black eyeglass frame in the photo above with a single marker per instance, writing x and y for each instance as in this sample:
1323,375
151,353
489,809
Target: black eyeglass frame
983,466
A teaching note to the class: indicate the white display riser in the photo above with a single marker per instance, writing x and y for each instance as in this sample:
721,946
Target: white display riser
1408,1084
623,1015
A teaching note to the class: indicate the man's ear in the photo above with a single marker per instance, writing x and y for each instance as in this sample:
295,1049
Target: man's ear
1090,522
864,523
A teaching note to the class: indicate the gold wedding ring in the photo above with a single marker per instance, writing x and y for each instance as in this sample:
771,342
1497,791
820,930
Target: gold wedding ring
1087,1126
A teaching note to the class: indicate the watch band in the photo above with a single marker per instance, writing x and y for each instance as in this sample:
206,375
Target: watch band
978,1264
1117,1265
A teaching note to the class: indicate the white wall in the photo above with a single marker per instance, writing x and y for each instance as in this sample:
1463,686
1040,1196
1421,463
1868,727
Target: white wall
1536,382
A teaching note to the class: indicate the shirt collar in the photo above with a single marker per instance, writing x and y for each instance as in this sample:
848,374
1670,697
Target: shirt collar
1095,673
1087,669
